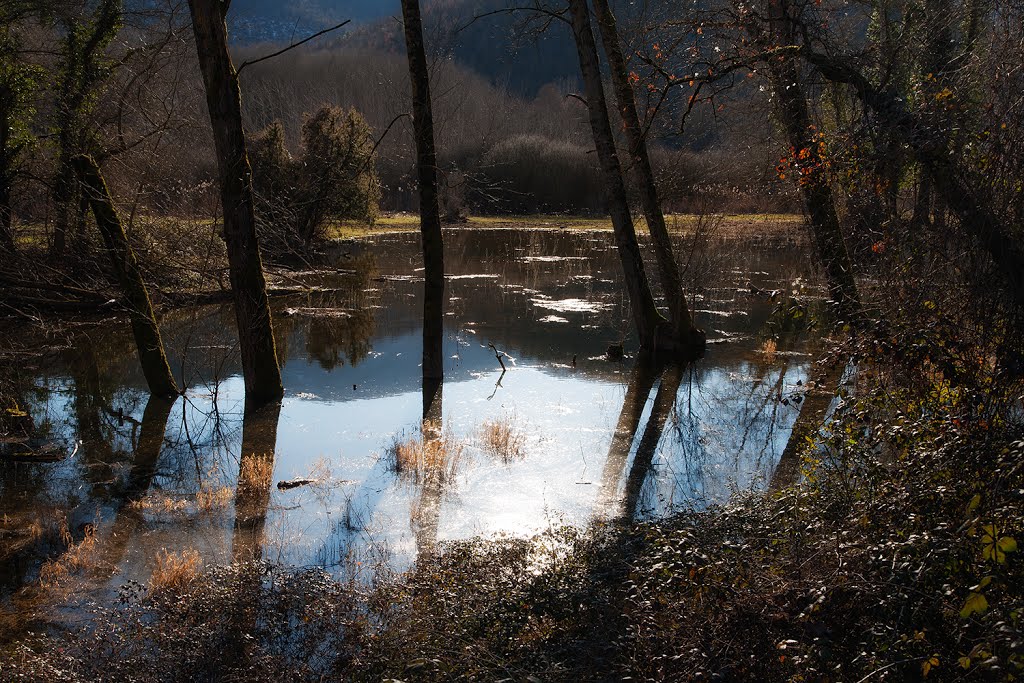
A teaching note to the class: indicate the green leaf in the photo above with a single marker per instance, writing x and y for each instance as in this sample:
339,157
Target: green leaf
975,502
975,604
1007,544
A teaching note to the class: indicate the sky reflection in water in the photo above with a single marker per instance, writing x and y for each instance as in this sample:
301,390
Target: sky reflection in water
353,391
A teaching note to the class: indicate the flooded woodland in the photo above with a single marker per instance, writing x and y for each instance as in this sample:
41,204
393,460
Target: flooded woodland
539,421
479,340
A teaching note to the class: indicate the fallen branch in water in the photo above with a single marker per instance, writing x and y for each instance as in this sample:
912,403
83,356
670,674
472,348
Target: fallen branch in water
499,355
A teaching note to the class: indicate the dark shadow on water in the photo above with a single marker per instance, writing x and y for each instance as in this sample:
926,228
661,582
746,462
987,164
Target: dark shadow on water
255,476
664,403
641,380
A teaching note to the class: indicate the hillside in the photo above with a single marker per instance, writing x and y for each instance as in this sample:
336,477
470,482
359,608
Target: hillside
503,48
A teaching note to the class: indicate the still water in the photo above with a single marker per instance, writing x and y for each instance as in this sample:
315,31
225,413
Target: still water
563,435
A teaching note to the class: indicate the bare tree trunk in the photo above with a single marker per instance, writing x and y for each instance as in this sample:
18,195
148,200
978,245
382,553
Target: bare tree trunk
690,339
649,322
426,515
252,308
63,194
430,214
144,325
814,188
817,194
6,218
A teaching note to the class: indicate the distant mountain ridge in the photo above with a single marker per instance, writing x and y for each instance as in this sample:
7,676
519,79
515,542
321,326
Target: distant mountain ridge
494,46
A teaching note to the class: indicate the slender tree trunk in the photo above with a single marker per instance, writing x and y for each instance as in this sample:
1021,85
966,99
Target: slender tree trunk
426,515
63,196
814,189
689,338
6,217
645,313
430,214
817,194
252,307
144,325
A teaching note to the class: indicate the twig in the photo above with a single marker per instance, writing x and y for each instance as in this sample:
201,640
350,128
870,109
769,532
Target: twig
291,47
498,355
497,384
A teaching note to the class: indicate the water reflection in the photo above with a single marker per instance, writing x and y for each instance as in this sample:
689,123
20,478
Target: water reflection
593,436
426,511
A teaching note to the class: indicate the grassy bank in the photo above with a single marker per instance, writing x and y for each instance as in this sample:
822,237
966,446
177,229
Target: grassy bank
727,225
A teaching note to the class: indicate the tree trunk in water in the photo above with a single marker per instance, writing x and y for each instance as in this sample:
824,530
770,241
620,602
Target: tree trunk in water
641,381
690,340
645,314
430,213
664,402
144,325
252,308
426,514
814,188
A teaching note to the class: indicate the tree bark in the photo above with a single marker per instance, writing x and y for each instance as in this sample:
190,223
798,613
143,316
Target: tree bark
6,218
689,339
252,307
430,213
814,188
649,323
144,326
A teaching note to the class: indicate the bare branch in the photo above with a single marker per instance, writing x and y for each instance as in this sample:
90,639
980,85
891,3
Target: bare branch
292,46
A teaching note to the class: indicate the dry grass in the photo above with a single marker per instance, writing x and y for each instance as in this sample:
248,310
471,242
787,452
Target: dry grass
159,503
502,439
431,452
209,499
255,473
731,225
768,349
213,499
175,570
55,574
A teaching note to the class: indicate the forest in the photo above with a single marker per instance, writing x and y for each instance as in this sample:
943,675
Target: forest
537,340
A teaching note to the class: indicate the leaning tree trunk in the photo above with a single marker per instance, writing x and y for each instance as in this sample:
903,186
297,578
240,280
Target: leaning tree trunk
690,339
947,176
144,325
252,307
645,313
430,214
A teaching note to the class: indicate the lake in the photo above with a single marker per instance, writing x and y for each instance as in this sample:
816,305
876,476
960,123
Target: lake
564,435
